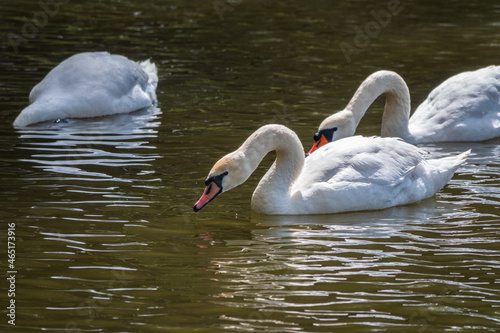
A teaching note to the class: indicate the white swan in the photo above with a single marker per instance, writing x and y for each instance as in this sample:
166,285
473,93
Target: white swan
89,85
355,173
466,107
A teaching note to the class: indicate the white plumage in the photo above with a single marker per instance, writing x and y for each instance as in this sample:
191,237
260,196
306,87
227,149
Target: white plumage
356,173
90,85
466,107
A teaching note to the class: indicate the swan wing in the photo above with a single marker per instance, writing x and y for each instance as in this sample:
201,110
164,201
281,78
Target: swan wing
361,173
376,160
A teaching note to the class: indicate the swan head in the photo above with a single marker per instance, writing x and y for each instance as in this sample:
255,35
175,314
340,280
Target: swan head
337,126
229,172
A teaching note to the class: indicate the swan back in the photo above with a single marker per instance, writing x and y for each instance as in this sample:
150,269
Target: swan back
465,107
360,173
380,160
90,85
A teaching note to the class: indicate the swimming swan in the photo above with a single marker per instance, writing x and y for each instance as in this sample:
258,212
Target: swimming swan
356,173
466,107
90,85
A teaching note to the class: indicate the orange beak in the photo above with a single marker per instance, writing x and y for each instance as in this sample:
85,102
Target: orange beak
321,142
211,191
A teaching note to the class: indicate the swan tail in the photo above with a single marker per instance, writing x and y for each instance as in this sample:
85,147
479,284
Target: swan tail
152,72
463,157
444,169
450,163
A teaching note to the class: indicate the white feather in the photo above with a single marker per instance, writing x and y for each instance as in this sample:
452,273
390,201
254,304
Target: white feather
355,173
466,107
90,85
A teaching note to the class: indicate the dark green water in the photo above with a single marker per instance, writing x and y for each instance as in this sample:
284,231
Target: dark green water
105,236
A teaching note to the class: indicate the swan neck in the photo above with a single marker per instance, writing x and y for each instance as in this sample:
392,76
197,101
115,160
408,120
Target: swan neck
274,188
397,106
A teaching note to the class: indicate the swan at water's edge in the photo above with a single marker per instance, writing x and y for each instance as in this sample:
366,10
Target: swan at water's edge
91,84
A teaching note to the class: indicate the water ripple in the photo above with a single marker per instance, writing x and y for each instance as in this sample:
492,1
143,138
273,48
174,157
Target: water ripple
382,274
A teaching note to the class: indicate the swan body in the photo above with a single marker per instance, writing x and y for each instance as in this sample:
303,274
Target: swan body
356,173
466,107
90,85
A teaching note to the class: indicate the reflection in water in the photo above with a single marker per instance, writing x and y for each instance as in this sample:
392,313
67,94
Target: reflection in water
64,145
93,174
376,270
477,190
81,153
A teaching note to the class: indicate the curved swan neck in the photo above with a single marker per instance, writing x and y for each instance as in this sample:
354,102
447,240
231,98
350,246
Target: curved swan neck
397,105
275,185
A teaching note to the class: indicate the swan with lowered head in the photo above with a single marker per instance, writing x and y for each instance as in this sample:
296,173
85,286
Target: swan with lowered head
91,84
355,173
466,107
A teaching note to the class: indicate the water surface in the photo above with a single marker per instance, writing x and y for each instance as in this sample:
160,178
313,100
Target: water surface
106,240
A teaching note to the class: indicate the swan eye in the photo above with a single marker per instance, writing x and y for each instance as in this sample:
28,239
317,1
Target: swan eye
327,133
216,179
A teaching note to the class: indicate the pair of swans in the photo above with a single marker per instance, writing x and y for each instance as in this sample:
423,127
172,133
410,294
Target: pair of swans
91,84
358,173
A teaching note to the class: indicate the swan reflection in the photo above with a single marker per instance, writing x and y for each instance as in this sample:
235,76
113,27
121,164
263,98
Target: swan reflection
85,155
